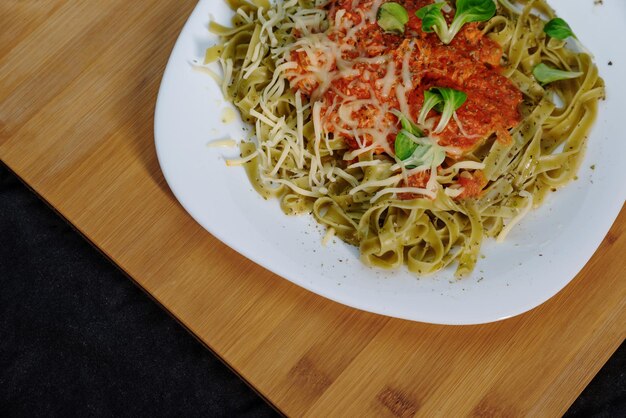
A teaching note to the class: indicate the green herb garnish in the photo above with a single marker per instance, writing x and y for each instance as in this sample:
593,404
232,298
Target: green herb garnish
433,20
445,101
413,149
407,124
545,74
466,11
558,28
418,152
404,146
392,17
432,99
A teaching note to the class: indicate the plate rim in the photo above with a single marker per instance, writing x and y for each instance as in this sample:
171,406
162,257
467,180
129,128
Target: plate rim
285,273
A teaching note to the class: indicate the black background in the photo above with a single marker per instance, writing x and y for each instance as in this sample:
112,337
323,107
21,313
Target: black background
78,338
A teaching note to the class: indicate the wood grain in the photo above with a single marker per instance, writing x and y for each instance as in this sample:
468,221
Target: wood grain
78,83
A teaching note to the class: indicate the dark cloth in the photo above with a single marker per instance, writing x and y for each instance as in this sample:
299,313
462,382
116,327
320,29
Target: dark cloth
78,338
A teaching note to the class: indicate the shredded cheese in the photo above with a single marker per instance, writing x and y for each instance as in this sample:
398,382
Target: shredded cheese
522,213
225,143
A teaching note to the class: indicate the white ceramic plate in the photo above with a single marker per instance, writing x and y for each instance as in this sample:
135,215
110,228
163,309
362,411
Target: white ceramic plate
538,259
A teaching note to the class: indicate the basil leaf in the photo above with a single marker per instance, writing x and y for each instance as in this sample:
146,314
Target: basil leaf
474,10
407,124
404,145
445,101
453,99
433,158
456,98
466,11
432,18
418,151
545,74
557,28
426,156
471,11
392,17
432,99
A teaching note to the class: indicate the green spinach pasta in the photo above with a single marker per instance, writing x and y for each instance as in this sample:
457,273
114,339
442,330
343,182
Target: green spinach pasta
411,129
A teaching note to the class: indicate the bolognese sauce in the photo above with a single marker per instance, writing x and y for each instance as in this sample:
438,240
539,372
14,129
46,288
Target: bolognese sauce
360,74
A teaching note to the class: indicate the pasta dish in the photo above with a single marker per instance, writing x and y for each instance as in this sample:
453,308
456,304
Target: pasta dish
411,129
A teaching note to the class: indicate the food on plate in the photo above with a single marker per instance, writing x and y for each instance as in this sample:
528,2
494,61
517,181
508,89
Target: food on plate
411,129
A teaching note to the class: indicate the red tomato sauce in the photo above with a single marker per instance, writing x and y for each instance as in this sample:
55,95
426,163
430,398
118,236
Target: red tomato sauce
470,63
472,183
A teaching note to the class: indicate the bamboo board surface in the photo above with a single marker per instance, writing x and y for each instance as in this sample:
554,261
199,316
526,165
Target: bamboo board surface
78,83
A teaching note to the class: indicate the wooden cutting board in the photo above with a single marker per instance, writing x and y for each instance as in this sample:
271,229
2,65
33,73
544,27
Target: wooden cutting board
78,83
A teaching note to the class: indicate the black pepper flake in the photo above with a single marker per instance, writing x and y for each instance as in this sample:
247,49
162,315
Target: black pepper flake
610,62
